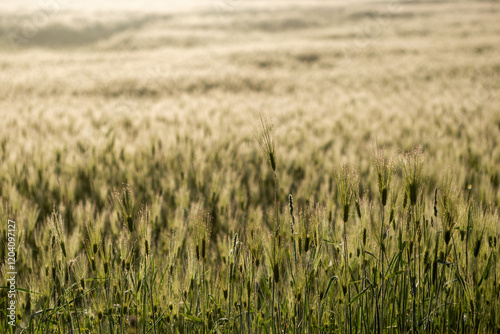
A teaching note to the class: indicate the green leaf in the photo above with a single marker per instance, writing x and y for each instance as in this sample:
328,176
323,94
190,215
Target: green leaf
334,278
359,294
396,259
264,323
367,252
394,274
486,269
22,290
192,318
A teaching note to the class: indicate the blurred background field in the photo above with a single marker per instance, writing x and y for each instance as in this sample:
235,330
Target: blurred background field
164,99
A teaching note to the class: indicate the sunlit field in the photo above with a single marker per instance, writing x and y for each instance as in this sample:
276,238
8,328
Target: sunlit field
239,167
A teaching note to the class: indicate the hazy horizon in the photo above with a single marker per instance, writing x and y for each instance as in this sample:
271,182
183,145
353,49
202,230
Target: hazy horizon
158,5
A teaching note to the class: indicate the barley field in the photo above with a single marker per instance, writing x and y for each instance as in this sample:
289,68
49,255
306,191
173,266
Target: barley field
232,166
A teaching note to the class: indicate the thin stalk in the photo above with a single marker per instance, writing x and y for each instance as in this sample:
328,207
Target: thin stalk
347,320
403,295
277,226
413,282
231,268
467,245
381,328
